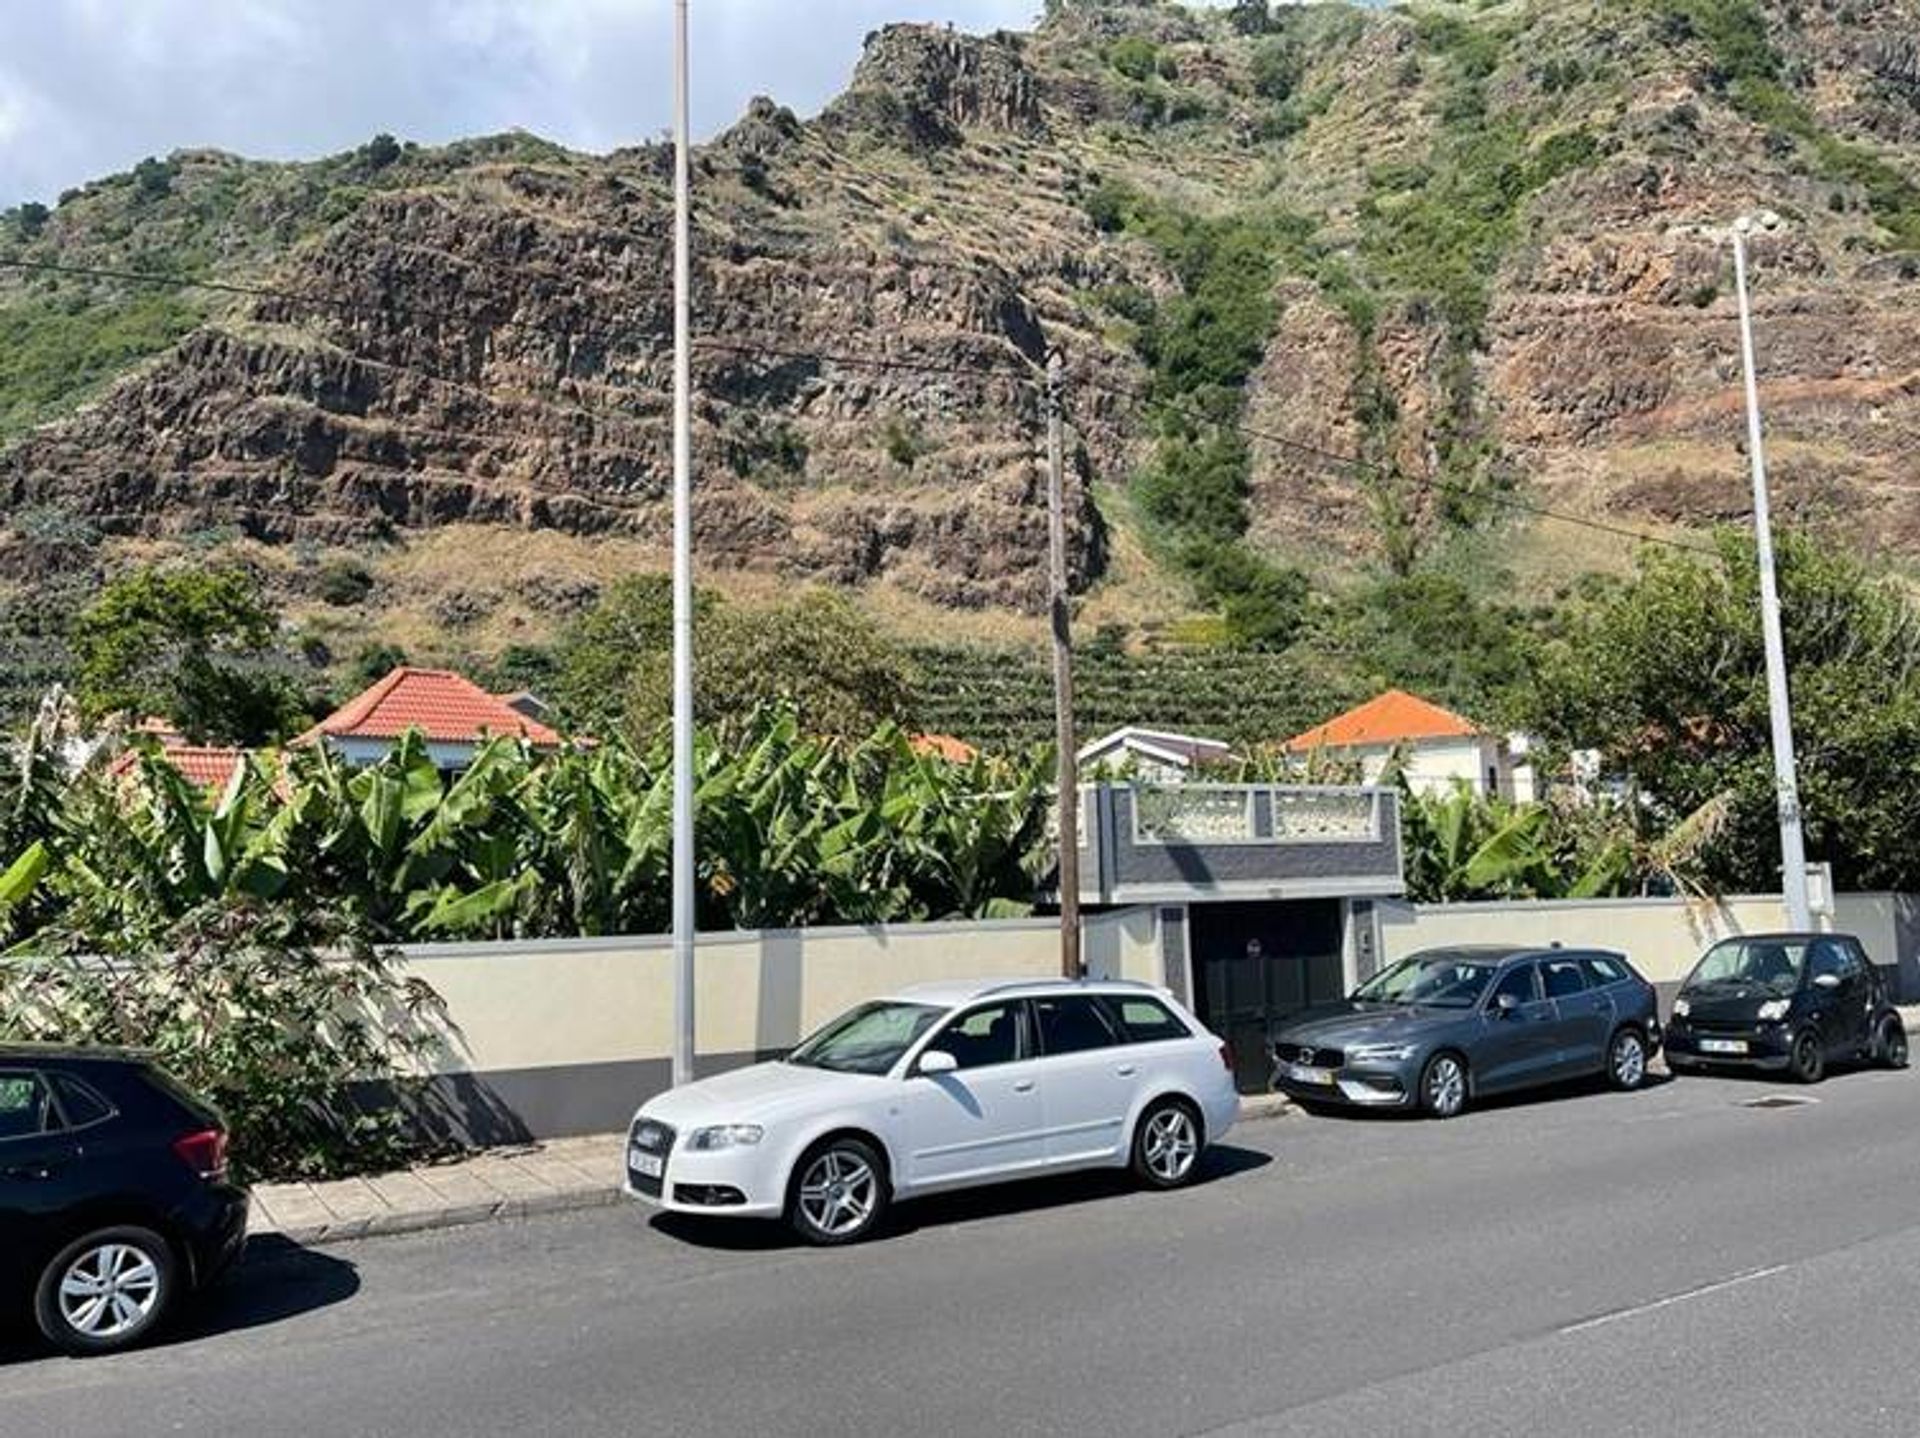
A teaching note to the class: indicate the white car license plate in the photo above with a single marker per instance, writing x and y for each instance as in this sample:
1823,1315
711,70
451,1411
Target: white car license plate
1723,1046
647,1165
1300,1073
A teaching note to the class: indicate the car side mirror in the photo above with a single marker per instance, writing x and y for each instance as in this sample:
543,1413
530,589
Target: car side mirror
1826,981
937,1061
1504,1004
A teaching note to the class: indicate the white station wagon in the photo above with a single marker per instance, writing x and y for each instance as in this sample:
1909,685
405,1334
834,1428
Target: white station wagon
941,1086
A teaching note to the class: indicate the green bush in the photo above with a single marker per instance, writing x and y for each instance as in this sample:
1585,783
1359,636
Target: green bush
297,1028
344,582
1134,56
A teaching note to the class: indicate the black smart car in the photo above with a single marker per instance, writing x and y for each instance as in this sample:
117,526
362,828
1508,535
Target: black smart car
114,1200
1785,1001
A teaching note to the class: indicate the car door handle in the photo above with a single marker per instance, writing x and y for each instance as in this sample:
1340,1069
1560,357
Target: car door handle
1023,1086
34,1172
1128,1070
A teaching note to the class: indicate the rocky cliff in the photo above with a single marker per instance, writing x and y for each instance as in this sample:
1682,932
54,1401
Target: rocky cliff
1498,267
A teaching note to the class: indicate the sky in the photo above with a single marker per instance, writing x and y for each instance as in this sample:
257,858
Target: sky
89,87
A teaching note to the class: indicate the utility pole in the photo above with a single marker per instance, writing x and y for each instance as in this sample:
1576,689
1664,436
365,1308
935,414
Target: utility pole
1067,783
1793,853
684,858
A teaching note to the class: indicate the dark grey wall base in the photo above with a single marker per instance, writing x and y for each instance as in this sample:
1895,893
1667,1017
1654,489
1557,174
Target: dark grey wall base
519,1105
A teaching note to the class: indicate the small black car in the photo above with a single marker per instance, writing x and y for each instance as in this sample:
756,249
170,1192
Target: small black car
1785,1001
114,1200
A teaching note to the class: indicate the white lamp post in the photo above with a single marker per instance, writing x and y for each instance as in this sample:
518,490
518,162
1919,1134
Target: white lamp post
1793,853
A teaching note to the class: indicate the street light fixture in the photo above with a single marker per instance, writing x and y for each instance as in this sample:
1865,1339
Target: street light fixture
1793,853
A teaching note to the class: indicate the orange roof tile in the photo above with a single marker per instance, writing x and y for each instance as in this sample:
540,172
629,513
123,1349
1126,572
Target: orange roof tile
441,704
202,765
944,746
1392,718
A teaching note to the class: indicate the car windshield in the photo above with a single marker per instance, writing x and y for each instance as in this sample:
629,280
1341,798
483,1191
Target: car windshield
866,1040
1766,963
1443,980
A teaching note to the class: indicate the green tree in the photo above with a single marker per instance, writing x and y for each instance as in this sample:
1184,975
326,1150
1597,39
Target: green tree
815,655
598,654
1667,678
194,645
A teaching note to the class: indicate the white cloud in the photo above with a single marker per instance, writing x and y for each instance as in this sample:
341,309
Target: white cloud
87,87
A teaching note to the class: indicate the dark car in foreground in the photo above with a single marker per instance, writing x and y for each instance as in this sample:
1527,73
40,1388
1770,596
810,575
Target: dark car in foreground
1447,1025
114,1199
1793,1002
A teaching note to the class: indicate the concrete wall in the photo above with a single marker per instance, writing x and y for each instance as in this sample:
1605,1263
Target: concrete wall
1662,937
568,1036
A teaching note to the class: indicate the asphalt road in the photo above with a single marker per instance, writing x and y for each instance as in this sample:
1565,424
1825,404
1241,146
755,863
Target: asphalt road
1672,1261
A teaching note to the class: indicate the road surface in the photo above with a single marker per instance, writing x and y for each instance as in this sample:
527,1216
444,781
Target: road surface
1673,1261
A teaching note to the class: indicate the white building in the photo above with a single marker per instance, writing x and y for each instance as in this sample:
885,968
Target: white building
1437,747
1158,756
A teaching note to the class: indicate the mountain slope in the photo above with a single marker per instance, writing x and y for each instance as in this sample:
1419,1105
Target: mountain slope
1481,247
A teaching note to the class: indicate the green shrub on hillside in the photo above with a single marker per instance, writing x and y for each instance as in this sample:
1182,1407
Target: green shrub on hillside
55,349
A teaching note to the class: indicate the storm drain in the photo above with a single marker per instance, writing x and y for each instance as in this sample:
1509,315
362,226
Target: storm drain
1780,1100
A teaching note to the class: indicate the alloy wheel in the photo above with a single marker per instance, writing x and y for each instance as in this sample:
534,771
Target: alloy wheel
1170,1144
1446,1087
109,1290
1629,1060
838,1192
1893,1044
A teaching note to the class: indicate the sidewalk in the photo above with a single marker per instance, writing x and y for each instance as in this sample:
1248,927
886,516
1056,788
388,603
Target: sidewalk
532,1178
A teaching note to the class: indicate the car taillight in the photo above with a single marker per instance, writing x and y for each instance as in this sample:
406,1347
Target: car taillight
204,1151
1226,1056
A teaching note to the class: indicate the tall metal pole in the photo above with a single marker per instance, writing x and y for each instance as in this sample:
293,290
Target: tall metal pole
1793,853
683,840
1068,782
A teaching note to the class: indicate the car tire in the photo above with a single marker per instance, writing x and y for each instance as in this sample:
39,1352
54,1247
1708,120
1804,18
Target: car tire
1167,1143
106,1291
1627,1060
1890,1042
1443,1086
839,1192
1806,1060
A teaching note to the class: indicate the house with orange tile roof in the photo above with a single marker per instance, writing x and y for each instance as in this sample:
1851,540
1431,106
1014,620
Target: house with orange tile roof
1437,747
451,713
944,747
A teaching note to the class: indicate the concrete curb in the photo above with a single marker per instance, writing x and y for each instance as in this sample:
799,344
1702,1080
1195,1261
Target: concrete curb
316,1215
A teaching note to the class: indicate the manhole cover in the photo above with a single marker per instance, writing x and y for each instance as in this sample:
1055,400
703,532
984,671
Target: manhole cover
1780,1100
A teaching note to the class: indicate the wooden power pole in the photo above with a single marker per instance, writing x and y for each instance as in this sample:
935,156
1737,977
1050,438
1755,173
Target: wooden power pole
1068,781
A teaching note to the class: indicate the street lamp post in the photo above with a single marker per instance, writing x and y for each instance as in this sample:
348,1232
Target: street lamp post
1793,854
683,840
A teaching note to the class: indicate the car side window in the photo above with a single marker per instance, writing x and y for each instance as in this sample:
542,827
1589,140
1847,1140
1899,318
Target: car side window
1602,969
1071,1024
982,1036
1518,981
1828,958
26,1106
1565,978
1144,1020
81,1105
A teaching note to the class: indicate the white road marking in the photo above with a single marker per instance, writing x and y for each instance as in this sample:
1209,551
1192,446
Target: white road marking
1718,1286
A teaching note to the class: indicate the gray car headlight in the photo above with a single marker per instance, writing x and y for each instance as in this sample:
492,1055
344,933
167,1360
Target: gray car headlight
1379,1053
1681,1008
1774,1009
725,1135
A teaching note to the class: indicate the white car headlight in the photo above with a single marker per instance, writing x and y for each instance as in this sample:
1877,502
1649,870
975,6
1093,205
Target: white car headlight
1681,1008
1775,1009
1379,1053
725,1135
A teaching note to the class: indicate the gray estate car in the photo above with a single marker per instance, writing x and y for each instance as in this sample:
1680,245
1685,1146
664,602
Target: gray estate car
1446,1025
